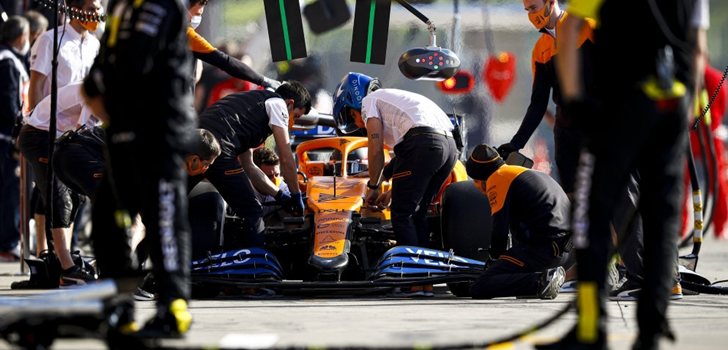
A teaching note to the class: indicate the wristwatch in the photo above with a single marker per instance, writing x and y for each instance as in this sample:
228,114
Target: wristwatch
372,187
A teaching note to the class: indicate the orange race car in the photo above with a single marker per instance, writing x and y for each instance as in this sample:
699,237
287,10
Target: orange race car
341,244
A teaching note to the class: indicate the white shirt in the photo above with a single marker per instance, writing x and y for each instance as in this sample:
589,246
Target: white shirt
71,114
277,112
402,110
701,15
75,57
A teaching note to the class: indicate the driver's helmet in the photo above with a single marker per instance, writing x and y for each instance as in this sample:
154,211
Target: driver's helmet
349,94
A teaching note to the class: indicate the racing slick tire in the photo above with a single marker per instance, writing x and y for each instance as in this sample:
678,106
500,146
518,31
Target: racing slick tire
466,226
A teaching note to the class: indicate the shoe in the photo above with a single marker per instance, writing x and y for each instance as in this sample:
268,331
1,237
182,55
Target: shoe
76,276
408,292
550,282
170,322
9,256
633,294
428,290
143,295
568,287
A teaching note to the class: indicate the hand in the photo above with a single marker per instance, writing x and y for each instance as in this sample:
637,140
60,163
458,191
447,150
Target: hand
271,83
282,197
505,149
295,205
385,199
371,197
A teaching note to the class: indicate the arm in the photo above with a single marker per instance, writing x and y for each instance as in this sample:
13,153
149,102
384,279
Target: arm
568,66
261,182
35,90
375,150
288,165
203,50
540,92
9,94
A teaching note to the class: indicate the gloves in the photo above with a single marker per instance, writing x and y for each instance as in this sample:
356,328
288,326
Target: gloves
295,204
271,83
505,149
282,197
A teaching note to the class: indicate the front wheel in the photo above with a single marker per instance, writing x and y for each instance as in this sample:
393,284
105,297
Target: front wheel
466,226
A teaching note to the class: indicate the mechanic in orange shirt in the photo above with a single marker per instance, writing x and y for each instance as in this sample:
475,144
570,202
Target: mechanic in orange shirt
535,210
546,16
203,50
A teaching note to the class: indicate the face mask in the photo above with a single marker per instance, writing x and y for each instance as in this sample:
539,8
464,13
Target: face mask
24,50
195,21
90,26
540,20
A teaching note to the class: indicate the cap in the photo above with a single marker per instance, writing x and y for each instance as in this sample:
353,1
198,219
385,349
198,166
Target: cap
483,162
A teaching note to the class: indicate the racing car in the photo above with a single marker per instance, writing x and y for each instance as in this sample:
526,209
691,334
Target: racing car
341,244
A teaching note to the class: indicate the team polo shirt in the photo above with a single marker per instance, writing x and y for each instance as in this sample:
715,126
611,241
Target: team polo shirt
75,57
401,111
71,113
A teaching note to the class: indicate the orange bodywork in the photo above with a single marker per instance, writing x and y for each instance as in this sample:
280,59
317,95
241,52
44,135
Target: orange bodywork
334,196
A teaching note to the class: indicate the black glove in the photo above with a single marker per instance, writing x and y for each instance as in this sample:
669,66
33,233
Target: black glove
282,197
505,149
295,204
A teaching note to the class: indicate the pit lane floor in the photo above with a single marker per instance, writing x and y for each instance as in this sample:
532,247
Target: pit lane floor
700,322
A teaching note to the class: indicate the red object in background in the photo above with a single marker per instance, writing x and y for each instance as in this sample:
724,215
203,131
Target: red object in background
461,83
229,86
499,74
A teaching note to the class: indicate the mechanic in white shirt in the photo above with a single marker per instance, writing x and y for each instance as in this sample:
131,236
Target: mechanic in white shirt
33,144
420,134
77,48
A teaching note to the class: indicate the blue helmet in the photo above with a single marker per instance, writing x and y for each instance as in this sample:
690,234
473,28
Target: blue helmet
349,94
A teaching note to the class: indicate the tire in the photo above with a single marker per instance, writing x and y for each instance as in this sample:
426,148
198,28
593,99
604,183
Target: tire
466,226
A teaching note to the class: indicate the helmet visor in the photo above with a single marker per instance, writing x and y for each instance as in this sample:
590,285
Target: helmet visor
345,122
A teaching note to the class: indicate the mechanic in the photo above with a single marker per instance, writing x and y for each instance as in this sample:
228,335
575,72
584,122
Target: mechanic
644,102
77,48
33,144
140,86
204,51
14,45
241,122
534,208
420,134
547,16
269,164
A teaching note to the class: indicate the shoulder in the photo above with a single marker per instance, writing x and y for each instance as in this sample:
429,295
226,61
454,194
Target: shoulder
543,49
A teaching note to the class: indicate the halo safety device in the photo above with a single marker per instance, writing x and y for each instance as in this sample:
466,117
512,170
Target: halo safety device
349,94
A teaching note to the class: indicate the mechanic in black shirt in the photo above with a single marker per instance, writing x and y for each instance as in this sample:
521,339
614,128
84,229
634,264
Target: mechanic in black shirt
241,122
644,61
534,208
140,86
547,17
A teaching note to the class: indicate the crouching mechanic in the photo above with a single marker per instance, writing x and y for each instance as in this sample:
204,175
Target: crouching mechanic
536,210
420,134
241,122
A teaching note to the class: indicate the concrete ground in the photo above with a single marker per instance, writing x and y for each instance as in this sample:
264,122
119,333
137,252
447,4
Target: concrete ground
700,322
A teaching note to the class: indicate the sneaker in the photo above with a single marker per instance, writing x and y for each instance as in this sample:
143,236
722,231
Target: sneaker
428,290
568,287
627,294
9,256
408,292
550,282
143,295
76,276
170,322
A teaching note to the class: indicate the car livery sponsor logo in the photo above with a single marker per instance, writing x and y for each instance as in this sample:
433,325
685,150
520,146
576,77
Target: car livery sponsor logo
424,254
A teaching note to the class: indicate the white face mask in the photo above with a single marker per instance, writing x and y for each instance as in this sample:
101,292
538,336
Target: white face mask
24,50
195,21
